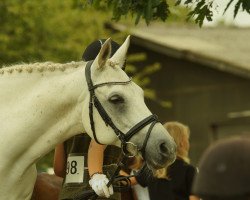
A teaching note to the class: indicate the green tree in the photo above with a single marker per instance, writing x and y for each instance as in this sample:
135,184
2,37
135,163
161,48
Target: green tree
47,30
151,10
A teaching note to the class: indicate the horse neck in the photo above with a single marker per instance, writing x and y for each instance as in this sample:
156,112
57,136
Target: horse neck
43,109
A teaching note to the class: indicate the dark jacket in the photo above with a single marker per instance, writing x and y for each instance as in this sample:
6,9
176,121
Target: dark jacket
78,146
177,187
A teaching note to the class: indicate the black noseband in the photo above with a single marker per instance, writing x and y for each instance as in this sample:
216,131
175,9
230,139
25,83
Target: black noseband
124,138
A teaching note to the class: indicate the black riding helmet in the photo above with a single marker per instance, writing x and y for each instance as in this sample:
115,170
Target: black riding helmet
224,170
93,49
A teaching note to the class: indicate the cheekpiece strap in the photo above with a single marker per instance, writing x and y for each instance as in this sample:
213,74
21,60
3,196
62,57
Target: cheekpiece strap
94,100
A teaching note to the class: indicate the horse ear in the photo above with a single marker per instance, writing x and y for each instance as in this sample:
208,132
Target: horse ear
120,54
103,55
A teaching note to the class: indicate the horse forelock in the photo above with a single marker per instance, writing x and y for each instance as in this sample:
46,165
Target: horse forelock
39,67
112,63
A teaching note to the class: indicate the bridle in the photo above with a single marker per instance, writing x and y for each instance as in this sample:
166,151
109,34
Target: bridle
124,138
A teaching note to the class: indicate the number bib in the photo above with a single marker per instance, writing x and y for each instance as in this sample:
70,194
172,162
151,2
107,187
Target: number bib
75,169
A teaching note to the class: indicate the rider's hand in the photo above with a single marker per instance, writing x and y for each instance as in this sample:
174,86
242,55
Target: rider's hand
99,182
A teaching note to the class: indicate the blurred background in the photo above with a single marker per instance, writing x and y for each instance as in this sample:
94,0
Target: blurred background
199,76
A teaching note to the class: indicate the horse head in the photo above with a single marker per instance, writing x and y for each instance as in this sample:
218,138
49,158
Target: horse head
115,111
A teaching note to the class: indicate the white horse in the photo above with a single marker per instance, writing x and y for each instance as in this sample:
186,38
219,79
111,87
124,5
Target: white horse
43,104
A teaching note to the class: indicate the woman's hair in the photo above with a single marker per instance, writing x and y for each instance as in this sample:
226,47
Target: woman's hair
179,133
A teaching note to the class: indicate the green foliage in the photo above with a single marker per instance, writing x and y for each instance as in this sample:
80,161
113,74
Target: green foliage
201,11
203,8
245,5
47,30
151,10
146,9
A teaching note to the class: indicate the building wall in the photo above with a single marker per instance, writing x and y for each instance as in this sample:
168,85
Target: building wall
201,96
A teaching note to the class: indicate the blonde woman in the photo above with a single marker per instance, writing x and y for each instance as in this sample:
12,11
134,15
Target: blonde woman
174,182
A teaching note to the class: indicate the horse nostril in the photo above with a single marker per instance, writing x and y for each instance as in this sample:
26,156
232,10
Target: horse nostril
166,149
163,148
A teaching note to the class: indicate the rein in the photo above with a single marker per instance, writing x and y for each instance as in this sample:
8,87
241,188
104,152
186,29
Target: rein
120,184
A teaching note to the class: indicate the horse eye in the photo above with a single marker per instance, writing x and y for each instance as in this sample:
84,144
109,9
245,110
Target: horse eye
116,99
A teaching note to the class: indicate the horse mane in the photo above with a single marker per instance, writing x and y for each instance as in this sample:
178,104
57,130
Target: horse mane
39,67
